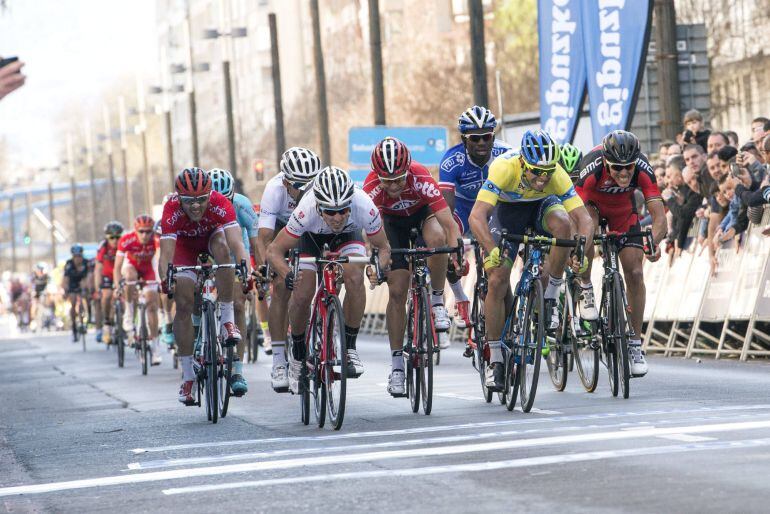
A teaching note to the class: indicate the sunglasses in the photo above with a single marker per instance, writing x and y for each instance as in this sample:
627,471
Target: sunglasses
189,200
486,137
395,180
620,167
334,212
113,237
540,172
144,231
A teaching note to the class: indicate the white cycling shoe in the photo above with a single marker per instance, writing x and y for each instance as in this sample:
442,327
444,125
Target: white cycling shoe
637,362
397,383
587,304
279,379
440,317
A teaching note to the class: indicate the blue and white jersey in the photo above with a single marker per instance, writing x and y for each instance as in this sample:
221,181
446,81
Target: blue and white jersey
459,174
247,218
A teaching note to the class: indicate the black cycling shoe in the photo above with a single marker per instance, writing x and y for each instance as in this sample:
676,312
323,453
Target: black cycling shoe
494,379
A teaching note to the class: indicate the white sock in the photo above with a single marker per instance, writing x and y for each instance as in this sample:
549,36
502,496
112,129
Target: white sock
552,291
398,359
188,374
459,292
437,297
495,353
585,285
226,312
128,317
279,356
156,346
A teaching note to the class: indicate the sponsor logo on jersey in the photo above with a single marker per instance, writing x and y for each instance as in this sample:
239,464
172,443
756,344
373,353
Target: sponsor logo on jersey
300,215
402,205
219,211
427,189
591,167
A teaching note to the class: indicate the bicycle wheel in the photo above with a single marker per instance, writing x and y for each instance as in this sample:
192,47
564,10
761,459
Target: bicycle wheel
557,360
144,347
478,331
304,395
618,324
585,351
608,346
211,360
411,356
532,334
120,336
82,329
315,369
336,366
427,344
508,347
224,381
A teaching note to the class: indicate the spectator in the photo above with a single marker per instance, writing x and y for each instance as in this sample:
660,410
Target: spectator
714,166
764,150
674,149
683,202
716,141
726,155
695,158
750,159
736,221
663,149
732,138
695,130
758,129
660,175
11,78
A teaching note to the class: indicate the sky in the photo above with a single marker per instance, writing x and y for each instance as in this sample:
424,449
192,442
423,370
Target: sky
73,50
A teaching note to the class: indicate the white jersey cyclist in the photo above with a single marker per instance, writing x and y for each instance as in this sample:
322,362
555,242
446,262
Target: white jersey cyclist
277,205
364,215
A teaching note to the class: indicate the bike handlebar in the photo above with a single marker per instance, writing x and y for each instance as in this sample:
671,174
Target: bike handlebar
333,258
208,268
538,240
646,234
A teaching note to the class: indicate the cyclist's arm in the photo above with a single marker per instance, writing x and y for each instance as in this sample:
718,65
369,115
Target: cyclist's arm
98,275
167,249
379,240
479,222
264,237
447,222
234,237
118,270
282,243
449,197
253,248
582,220
659,225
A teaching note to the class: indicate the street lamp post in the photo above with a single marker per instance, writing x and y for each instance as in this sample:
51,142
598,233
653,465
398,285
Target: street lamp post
110,160
92,178
123,152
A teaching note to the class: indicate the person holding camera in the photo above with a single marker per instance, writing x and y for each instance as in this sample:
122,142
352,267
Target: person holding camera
695,129
11,77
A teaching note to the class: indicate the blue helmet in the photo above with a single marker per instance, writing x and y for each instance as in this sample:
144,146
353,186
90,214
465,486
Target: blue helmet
539,149
222,182
476,117
76,249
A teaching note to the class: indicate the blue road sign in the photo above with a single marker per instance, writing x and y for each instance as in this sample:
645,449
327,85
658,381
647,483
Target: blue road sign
426,143
358,176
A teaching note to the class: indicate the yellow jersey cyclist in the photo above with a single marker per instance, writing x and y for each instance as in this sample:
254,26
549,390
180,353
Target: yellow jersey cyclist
525,189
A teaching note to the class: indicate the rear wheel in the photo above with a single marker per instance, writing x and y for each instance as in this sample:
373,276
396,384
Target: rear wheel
224,380
336,367
478,331
533,332
315,369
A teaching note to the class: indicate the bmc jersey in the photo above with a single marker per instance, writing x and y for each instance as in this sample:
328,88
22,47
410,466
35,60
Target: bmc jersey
421,189
138,254
176,224
106,255
276,204
364,215
595,185
458,173
247,218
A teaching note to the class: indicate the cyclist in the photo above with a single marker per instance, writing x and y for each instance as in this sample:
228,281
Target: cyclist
299,166
40,279
103,274
408,197
535,192
198,220
569,159
334,214
222,182
133,261
73,283
462,171
166,303
609,175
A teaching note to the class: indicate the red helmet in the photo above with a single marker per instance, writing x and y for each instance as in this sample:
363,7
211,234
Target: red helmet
144,221
193,182
391,158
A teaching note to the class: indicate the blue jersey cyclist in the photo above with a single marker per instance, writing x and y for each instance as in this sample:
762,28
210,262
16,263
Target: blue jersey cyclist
463,170
248,219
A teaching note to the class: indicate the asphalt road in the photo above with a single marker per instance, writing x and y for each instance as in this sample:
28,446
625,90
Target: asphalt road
77,434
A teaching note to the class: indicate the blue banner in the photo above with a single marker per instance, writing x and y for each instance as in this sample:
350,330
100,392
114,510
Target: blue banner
615,43
562,67
427,144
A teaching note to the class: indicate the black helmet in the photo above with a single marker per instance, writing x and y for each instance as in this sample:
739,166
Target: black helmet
113,228
620,147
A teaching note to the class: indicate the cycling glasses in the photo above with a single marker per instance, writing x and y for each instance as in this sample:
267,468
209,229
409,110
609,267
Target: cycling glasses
297,185
614,166
393,180
113,237
189,200
486,137
144,231
333,212
540,171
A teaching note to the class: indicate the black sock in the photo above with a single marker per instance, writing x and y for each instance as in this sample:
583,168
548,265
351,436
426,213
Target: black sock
351,333
298,350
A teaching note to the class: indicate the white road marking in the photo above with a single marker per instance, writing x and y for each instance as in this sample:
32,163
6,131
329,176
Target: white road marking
441,428
687,438
482,466
335,460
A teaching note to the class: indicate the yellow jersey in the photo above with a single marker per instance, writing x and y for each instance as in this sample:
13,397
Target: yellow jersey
507,183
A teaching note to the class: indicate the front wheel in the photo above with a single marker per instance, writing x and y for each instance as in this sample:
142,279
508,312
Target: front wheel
336,366
530,345
479,339
211,362
618,327
224,381
427,343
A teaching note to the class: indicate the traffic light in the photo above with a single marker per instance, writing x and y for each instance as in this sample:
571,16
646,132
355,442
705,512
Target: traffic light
259,169
27,239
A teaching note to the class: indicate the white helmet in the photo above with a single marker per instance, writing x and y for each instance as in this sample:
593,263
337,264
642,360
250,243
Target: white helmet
333,188
300,165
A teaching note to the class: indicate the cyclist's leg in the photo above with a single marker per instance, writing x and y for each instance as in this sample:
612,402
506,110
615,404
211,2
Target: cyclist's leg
278,322
73,297
129,273
238,383
632,260
434,236
167,307
184,294
355,295
225,279
151,296
263,315
554,220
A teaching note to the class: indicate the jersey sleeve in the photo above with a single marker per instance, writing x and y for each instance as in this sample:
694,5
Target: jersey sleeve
447,175
368,216
247,217
269,207
429,189
646,180
100,253
566,192
499,170
168,218
123,245
373,188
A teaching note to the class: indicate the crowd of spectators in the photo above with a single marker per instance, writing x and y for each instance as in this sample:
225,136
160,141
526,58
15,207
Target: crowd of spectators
712,185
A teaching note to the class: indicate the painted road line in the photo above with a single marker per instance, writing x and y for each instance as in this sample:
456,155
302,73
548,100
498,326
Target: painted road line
687,438
442,428
336,460
564,458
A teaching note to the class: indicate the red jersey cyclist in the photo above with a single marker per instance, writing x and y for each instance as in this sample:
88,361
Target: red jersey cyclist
198,220
103,274
609,175
133,261
409,197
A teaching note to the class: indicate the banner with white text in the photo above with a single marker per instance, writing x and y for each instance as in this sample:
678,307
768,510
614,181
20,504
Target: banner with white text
562,67
615,39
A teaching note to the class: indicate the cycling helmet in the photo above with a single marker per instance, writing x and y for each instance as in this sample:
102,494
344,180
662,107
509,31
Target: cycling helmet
41,266
476,117
391,158
113,228
192,182
76,249
620,147
222,182
333,188
300,165
539,149
570,157
144,221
